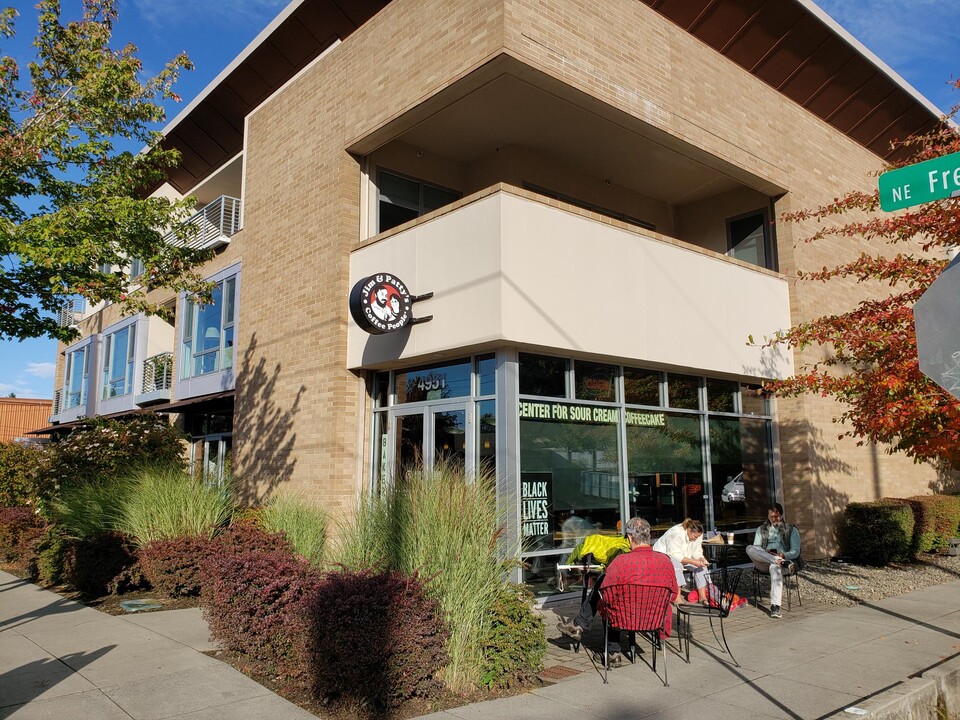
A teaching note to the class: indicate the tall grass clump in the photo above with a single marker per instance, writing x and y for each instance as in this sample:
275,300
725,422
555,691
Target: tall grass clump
91,509
445,527
168,502
304,523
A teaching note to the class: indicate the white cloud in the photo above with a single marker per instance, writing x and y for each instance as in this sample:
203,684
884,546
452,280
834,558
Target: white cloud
41,369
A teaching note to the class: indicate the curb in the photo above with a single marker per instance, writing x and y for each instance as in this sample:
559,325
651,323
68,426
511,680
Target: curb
934,696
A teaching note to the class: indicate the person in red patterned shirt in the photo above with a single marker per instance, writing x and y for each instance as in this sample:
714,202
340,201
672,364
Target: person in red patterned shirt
640,566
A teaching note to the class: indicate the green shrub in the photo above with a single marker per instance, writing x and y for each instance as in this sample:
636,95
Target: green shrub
18,466
375,640
304,524
104,450
514,642
48,566
444,527
941,514
876,533
168,502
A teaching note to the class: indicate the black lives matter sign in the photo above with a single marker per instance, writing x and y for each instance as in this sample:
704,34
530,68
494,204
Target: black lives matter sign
536,504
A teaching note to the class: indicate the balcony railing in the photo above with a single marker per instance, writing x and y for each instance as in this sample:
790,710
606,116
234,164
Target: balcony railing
158,373
57,401
70,312
215,224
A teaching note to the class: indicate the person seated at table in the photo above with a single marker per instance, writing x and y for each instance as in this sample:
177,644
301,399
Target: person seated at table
603,548
683,544
776,547
639,566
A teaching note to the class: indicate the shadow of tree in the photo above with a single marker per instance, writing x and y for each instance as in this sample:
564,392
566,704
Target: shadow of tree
815,507
264,456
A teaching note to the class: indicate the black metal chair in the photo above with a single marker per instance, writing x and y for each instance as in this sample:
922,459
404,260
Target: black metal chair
643,609
721,588
791,584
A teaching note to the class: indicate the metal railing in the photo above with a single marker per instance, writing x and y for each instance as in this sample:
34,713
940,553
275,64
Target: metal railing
70,312
157,373
57,400
215,224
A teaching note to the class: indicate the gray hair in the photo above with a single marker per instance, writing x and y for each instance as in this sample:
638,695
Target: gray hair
638,530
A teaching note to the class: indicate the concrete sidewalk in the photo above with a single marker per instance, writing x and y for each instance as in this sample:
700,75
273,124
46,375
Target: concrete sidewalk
59,659
62,661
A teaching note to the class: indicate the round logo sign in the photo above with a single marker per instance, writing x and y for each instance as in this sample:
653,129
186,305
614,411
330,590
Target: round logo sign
380,304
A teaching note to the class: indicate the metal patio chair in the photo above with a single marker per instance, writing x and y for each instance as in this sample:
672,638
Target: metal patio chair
721,588
633,609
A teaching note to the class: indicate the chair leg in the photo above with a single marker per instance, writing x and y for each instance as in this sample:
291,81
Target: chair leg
606,651
726,645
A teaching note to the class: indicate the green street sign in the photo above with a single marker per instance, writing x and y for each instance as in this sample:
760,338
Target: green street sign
924,182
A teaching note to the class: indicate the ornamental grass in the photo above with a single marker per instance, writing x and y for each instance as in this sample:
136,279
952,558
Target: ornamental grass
303,523
445,526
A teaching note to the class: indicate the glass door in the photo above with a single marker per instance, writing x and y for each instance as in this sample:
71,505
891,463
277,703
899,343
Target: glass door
429,435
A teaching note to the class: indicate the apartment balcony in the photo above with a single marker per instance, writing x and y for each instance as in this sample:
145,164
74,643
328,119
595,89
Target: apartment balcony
157,374
510,267
71,312
214,225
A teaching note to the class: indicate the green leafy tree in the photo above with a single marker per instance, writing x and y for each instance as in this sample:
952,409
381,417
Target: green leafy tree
870,362
72,205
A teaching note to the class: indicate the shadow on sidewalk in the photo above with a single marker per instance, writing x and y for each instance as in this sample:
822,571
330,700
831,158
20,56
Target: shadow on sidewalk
30,680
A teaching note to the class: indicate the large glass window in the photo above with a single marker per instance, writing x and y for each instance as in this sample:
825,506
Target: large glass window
119,355
664,468
595,381
402,199
76,371
543,375
641,387
740,466
208,332
748,239
569,468
433,382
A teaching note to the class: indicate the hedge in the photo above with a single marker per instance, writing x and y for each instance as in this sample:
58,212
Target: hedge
876,533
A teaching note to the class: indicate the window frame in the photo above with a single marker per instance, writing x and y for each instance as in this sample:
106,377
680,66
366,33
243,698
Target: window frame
130,363
228,286
769,256
420,208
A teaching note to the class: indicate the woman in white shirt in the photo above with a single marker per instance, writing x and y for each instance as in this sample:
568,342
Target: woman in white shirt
683,544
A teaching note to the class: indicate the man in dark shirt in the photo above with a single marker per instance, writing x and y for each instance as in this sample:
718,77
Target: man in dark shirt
640,566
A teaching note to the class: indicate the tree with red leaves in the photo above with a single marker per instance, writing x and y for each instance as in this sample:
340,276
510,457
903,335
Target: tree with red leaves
870,361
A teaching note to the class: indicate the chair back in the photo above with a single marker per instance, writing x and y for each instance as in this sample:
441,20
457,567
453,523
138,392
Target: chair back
722,584
637,608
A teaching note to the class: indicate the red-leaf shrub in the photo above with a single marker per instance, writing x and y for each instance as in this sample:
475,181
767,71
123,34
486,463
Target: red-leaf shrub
20,528
254,602
172,566
374,639
246,537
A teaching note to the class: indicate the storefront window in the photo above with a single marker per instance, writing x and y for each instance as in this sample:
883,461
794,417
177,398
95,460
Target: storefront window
433,382
665,468
487,436
641,387
753,400
595,381
486,375
543,375
683,391
721,395
740,466
569,473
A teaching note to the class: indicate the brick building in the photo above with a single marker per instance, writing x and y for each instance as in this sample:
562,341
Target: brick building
556,224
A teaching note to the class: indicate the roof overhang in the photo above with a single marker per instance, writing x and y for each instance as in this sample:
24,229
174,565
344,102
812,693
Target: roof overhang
792,45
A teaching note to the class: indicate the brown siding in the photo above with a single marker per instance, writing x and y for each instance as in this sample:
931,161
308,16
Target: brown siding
18,417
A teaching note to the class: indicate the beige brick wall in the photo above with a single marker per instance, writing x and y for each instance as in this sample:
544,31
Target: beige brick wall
299,409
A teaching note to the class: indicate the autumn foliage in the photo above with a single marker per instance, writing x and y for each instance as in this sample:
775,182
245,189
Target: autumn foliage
871,363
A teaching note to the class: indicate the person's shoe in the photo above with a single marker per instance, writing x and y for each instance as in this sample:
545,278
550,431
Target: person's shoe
790,567
775,611
571,630
616,659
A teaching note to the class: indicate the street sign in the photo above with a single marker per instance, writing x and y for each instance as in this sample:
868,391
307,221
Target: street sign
923,182
938,329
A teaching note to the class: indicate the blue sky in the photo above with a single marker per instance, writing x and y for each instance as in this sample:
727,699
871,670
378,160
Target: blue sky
919,39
